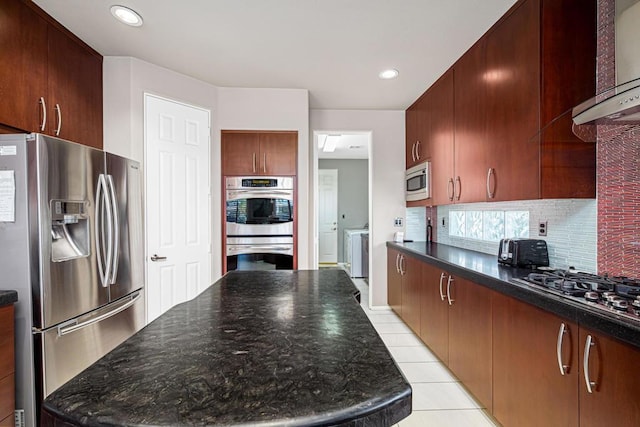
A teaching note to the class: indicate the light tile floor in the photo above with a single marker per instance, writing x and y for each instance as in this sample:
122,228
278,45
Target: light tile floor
438,398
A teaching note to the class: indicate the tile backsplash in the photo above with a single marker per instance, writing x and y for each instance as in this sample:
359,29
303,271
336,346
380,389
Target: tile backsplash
416,225
571,234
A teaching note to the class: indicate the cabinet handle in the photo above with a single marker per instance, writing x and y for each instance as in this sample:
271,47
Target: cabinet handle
413,152
451,186
591,385
449,281
563,330
59,114
43,106
402,270
490,194
417,150
398,263
264,163
441,293
459,186
254,162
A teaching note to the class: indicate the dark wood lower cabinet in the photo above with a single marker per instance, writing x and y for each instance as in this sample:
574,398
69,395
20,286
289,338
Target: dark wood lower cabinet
404,279
614,399
411,271
394,281
526,366
434,315
470,337
7,365
528,387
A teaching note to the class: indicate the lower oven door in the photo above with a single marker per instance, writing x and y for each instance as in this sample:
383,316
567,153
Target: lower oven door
259,253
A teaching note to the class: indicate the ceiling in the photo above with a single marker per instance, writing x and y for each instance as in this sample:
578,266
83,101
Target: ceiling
333,48
349,145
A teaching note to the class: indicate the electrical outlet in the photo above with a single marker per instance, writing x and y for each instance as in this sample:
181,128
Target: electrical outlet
397,222
542,228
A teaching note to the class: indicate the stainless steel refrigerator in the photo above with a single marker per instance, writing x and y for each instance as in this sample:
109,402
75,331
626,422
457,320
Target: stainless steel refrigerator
71,233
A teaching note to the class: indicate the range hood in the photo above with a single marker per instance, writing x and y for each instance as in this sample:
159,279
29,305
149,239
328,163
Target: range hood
619,105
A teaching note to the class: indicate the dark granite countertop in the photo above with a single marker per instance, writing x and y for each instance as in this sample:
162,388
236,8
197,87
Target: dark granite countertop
285,348
8,297
484,269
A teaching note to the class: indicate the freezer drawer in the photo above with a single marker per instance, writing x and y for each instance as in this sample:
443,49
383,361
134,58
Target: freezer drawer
64,351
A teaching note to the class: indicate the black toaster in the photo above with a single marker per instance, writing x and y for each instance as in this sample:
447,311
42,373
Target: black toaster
523,252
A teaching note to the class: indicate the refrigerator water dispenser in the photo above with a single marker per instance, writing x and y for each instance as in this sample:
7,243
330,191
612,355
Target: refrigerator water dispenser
70,236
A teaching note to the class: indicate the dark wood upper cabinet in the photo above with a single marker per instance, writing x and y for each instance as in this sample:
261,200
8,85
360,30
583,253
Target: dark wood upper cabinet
512,81
259,153
50,82
512,95
440,139
471,148
23,66
540,64
417,130
278,153
75,91
568,61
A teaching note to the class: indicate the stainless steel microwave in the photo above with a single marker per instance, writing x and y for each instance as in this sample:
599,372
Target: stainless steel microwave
418,182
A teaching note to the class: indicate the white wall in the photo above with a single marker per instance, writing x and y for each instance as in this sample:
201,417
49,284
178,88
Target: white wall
386,166
126,80
274,109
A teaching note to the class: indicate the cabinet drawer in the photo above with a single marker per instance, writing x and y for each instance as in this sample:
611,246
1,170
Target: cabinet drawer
7,398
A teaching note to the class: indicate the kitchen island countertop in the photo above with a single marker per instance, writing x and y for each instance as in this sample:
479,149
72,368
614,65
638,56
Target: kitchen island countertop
256,348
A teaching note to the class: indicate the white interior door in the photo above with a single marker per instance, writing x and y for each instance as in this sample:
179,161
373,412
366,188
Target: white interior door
328,216
177,138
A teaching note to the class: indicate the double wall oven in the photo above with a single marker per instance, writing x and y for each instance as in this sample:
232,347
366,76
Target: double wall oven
259,223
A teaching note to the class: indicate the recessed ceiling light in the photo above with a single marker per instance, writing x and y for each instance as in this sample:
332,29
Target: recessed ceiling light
389,74
126,16
330,143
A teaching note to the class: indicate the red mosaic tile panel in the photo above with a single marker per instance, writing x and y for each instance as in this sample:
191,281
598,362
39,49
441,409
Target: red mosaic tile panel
618,170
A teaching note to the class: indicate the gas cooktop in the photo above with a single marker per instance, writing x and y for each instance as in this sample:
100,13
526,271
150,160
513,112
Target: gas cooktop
619,296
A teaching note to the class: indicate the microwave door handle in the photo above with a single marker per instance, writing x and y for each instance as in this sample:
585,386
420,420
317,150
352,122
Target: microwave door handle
115,241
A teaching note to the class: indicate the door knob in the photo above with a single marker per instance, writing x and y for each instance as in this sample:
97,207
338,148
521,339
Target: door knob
155,258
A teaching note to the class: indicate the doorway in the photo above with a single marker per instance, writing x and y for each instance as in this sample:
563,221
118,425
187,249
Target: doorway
345,156
178,213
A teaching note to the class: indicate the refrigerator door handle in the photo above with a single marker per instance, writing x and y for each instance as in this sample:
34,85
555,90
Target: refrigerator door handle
98,225
115,240
74,325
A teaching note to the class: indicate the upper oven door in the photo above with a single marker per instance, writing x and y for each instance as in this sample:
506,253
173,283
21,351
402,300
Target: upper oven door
259,212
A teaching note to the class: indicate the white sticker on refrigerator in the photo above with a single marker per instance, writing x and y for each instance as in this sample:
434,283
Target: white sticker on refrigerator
7,196
8,150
